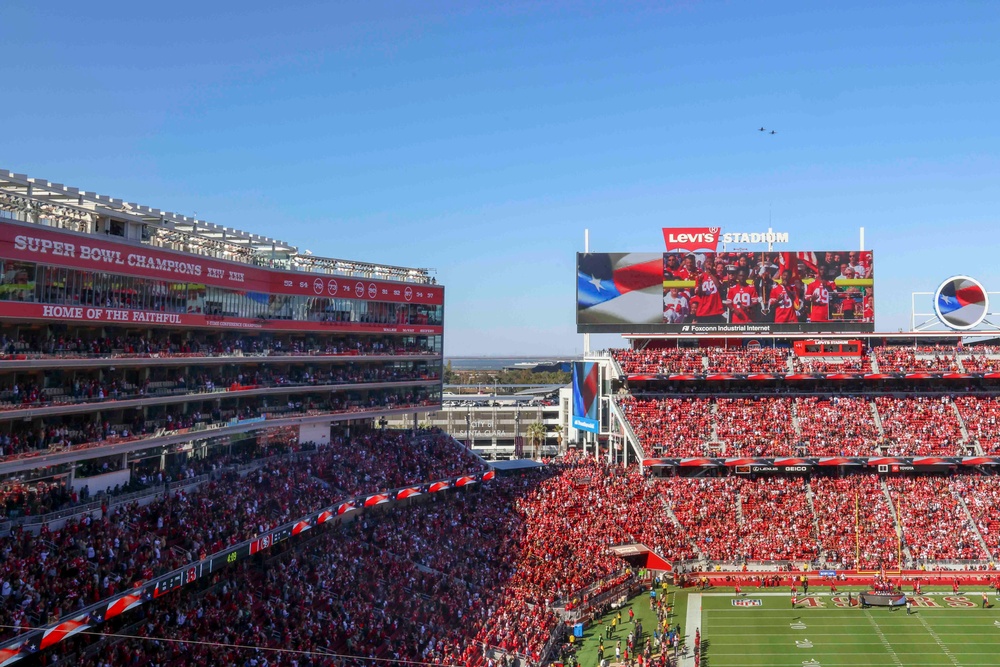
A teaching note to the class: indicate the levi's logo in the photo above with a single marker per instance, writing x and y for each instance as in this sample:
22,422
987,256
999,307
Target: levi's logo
692,238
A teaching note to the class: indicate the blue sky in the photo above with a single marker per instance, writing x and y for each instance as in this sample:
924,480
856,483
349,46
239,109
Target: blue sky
480,139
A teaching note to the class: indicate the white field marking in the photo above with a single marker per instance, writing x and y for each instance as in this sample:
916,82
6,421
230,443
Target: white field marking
733,634
885,642
848,610
873,664
860,642
758,594
937,640
803,643
691,623
797,625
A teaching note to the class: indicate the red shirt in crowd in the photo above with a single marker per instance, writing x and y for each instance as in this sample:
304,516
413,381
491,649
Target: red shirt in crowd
710,303
784,308
742,297
818,293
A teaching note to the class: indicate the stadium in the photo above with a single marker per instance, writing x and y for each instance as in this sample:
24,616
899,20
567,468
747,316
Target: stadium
196,465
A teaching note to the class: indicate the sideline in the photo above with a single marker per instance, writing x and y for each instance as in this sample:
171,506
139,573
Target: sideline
692,622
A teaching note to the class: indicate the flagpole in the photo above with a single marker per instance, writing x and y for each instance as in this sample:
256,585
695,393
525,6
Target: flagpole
586,249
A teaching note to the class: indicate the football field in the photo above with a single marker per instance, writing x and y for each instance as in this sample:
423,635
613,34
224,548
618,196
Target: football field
823,631
761,628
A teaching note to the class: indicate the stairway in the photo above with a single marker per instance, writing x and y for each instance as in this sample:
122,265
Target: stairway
715,421
875,368
966,440
968,517
878,419
795,420
895,517
811,500
739,509
683,531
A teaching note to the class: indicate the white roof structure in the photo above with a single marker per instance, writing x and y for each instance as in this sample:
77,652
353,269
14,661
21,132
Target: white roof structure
40,201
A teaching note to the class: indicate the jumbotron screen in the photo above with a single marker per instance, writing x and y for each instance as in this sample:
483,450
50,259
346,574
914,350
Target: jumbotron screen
725,292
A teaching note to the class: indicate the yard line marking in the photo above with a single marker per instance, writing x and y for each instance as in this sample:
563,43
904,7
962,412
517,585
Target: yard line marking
885,642
818,594
937,640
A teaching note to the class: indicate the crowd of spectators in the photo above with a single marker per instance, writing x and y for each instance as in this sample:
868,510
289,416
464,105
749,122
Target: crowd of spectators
46,576
828,365
981,494
706,508
777,520
890,359
670,426
916,359
920,426
758,426
748,360
980,358
34,498
89,387
667,361
737,519
438,582
82,432
934,526
836,426
856,524
981,415
381,460
664,360
91,345
342,602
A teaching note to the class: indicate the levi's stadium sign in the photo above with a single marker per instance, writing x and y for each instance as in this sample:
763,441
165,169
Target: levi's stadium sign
706,239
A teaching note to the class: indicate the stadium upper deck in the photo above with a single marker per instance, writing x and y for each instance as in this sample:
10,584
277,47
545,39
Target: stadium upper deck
126,331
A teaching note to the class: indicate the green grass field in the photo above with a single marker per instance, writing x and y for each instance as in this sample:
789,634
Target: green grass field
952,631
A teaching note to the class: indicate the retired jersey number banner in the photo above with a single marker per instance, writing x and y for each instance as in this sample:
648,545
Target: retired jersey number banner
687,292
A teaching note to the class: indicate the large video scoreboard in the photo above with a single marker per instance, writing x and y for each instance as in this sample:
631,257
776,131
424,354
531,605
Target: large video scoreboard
725,292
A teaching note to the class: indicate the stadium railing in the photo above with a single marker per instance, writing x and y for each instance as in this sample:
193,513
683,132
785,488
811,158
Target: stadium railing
627,428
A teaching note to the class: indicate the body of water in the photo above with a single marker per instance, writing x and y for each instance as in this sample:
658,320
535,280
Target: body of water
497,363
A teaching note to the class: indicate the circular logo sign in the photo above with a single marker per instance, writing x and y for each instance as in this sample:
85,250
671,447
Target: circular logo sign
318,286
331,287
961,302
359,290
408,293
372,291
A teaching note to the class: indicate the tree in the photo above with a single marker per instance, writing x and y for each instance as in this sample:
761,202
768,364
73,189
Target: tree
558,430
536,436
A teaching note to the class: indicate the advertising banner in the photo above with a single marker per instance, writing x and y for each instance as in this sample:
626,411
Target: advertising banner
585,391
